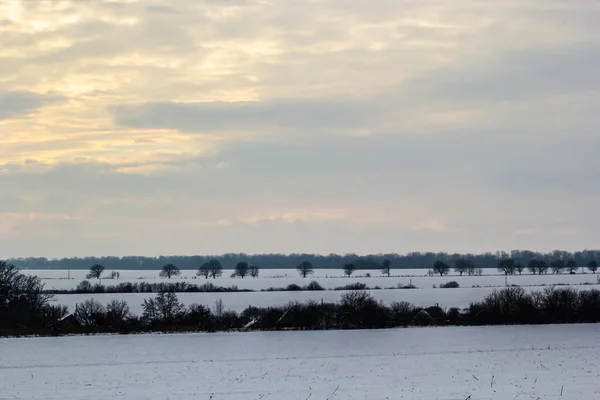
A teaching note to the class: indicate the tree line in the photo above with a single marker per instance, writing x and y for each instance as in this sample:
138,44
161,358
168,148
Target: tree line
507,266
414,260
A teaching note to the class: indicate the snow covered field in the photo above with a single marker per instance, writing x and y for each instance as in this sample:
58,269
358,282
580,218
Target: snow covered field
329,279
503,362
238,301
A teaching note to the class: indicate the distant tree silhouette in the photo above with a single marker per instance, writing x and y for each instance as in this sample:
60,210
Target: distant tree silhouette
204,270
254,270
385,267
164,308
242,269
557,266
349,269
506,266
96,271
212,268
471,270
572,266
519,268
305,268
532,266
461,266
440,267
169,270
543,267
215,268
593,266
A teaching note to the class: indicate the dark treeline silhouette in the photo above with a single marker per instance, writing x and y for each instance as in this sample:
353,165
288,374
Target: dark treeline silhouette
26,310
87,287
266,261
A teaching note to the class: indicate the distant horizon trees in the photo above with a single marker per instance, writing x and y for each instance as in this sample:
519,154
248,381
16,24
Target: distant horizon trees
169,270
349,269
96,271
212,268
305,268
413,260
440,267
242,269
385,267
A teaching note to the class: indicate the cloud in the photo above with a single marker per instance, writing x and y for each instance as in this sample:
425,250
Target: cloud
249,125
16,104
286,114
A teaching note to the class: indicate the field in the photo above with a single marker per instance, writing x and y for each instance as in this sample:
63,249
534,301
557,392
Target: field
472,288
509,362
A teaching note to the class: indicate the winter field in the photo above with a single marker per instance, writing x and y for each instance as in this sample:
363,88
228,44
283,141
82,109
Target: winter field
328,278
502,362
472,288
238,301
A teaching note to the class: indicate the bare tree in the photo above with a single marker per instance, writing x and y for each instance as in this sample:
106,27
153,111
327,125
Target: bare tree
163,308
90,313
96,271
440,267
117,311
471,270
385,267
533,266
593,266
242,269
215,268
219,308
506,266
22,298
461,266
557,266
349,269
204,270
305,268
519,268
169,270
254,270
542,267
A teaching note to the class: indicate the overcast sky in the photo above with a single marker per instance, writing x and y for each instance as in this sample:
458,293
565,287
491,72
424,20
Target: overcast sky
208,126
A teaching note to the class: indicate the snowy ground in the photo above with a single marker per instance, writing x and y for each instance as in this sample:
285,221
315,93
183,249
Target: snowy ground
329,279
514,362
238,301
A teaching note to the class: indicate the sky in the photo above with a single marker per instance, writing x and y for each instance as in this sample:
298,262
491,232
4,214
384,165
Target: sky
156,127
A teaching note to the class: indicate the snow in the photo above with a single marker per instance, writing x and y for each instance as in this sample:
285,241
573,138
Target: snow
329,279
508,362
238,301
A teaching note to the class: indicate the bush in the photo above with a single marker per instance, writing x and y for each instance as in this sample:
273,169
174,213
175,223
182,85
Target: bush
313,285
84,287
90,313
449,285
409,286
293,288
353,286
358,309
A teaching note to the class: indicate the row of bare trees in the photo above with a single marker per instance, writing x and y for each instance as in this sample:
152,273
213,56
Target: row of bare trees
212,269
508,266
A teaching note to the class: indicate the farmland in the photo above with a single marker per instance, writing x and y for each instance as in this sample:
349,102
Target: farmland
472,288
529,362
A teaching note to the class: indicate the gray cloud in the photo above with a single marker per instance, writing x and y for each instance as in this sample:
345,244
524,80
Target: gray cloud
293,113
21,103
481,118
